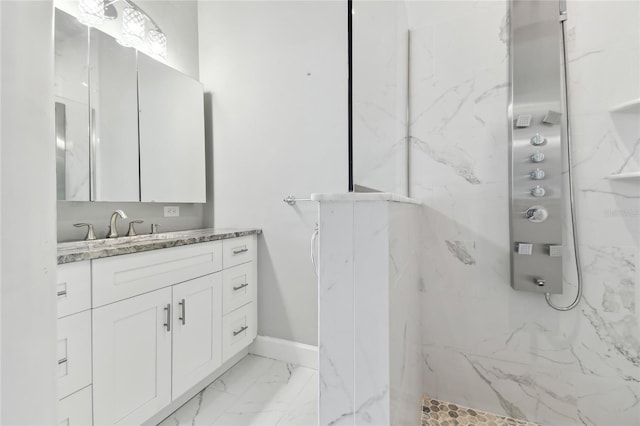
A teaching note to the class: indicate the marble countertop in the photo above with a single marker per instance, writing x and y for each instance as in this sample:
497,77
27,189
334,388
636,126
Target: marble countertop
77,251
364,196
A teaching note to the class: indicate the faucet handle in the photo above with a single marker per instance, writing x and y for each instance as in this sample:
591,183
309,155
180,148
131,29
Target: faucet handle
154,228
91,235
132,231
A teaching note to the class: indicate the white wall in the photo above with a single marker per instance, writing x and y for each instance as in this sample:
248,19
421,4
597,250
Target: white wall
486,345
277,74
27,198
178,19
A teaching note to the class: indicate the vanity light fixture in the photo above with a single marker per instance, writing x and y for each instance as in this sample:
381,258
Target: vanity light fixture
134,24
132,28
157,43
91,12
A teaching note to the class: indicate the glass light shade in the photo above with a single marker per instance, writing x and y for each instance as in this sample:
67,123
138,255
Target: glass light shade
132,27
91,12
157,43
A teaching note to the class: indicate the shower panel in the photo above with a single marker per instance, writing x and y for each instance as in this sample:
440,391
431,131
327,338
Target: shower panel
536,129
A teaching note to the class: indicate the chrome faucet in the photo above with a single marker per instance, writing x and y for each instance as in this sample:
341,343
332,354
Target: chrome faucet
113,230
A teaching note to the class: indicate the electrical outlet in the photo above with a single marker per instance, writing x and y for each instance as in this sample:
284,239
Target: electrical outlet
171,211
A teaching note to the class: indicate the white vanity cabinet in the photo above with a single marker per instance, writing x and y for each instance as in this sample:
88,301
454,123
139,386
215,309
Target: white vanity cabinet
74,343
162,321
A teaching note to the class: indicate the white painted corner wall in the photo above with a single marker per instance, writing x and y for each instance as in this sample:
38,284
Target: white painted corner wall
27,200
276,74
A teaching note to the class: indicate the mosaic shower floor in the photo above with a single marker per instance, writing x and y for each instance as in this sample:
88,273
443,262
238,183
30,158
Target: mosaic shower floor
440,413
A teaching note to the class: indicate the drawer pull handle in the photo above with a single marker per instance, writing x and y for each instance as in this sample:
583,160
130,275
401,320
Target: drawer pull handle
183,309
62,361
167,310
242,250
240,286
62,293
235,333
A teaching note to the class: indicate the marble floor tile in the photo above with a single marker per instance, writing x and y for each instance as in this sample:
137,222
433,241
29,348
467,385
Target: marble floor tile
304,408
255,391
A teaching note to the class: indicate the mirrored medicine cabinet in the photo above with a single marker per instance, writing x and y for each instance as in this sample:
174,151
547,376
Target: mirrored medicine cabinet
128,128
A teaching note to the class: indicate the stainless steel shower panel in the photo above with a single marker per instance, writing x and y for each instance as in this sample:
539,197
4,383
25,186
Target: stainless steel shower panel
536,146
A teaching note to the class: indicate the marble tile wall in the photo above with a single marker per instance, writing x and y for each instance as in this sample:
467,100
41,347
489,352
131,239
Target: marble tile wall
335,314
405,339
485,345
369,322
380,95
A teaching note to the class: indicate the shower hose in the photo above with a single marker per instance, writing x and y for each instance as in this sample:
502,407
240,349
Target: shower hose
574,226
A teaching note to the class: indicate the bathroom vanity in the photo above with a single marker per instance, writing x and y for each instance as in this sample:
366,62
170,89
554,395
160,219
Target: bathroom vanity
146,322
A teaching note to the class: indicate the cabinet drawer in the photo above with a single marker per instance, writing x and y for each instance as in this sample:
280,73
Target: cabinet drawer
74,353
75,410
239,328
121,277
73,288
239,250
238,286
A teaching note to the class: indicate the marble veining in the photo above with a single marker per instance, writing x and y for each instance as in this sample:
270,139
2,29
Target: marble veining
256,391
454,159
85,250
459,250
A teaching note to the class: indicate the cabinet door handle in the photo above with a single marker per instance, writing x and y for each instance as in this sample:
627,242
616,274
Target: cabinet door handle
167,311
235,333
62,293
242,250
183,309
62,360
240,286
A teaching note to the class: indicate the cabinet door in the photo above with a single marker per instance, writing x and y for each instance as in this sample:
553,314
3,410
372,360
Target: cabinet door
197,333
132,358
114,119
172,157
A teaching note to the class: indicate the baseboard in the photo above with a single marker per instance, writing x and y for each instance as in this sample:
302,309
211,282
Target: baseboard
285,350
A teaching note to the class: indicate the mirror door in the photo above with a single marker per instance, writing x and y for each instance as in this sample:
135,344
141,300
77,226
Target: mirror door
172,158
71,108
114,120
